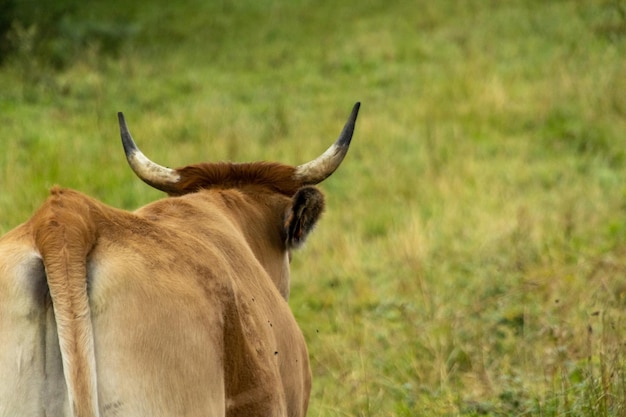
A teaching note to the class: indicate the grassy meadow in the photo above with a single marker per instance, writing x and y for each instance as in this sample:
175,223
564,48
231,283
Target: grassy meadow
472,259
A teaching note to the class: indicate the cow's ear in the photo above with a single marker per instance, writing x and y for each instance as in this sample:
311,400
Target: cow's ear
306,208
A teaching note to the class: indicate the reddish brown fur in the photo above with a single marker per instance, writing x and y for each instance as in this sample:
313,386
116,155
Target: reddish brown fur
274,176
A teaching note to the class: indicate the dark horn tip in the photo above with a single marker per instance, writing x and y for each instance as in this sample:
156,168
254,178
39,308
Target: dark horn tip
348,129
127,139
120,118
355,112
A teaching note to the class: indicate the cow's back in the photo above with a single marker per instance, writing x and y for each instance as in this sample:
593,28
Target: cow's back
266,360
185,322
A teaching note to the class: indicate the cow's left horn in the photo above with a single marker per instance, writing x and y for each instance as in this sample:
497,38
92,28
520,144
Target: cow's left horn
324,165
153,174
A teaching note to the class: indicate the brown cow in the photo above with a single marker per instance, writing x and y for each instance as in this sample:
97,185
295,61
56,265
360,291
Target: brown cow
176,309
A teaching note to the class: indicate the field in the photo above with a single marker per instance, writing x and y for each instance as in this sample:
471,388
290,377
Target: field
472,259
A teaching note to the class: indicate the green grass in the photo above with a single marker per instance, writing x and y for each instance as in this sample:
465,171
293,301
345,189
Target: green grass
472,260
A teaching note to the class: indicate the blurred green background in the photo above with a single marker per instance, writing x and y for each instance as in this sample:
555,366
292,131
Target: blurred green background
472,260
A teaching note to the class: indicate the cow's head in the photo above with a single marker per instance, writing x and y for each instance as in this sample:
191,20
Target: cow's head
274,205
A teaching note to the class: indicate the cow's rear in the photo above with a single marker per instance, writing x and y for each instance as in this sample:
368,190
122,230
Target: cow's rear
92,323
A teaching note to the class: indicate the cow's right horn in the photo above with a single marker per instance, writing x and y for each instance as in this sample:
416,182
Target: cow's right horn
324,165
153,174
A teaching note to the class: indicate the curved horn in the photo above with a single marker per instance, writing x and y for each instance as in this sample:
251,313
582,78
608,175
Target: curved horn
323,166
155,175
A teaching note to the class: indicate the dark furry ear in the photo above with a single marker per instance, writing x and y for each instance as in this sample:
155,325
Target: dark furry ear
306,208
